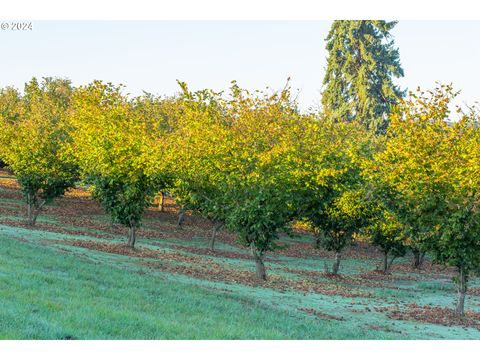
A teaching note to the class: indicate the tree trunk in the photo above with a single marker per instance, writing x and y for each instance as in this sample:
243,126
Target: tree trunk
211,244
33,209
132,236
161,203
36,211
260,267
385,262
389,266
422,258
35,215
317,244
462,290
181,217
336,263
252,250
30,211
418,257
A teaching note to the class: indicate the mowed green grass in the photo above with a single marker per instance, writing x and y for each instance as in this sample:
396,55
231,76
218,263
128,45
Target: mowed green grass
48,295
50,289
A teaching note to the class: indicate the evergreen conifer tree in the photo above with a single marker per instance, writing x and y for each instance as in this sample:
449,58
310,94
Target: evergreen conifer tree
362,63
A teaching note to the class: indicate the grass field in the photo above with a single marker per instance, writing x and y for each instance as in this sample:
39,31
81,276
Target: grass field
71,278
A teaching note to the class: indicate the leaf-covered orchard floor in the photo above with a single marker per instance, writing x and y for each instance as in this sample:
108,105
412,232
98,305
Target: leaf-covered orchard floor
72,278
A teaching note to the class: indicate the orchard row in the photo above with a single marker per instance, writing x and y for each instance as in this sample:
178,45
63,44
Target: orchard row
254,163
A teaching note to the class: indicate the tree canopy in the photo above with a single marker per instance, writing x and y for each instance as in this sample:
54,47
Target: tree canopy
114,140
432,164
33,140
361,65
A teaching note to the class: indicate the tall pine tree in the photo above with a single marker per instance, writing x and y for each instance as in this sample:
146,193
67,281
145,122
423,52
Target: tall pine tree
362,63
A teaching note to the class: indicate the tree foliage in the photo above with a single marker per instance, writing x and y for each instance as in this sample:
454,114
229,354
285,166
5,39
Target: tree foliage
230,162
326,163
33,140
114,140
362,62
386,232
252,162
432,164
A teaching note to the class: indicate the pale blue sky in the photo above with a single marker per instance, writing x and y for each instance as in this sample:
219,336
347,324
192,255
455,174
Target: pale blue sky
152,55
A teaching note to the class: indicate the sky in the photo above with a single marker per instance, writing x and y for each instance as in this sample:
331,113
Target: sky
152,55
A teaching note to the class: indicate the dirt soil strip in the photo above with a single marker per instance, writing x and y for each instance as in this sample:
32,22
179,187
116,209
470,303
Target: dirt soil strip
475,291
360,280
359,251
215,253
207,269
378,275
9,183
428,269
52,228
76,209
432,315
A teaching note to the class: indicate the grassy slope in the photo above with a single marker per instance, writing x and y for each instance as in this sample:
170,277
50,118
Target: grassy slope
45,294
51,290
